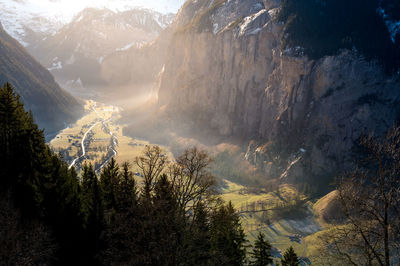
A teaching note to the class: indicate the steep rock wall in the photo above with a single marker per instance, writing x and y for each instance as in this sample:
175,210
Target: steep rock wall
225,72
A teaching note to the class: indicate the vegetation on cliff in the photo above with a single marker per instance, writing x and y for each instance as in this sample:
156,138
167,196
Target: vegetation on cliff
320,28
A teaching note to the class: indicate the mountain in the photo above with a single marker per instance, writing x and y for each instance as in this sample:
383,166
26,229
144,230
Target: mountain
227,76
52,107
29,21
75,52
137,67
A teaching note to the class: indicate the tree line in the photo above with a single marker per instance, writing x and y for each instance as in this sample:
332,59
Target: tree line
50,214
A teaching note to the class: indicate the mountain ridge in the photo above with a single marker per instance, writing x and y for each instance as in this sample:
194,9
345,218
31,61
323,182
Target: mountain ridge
75,53
29,21
53,108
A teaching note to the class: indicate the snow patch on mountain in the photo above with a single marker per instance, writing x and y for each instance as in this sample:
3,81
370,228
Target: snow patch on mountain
246,26
228,14
56,66
126,47
100,59
393,26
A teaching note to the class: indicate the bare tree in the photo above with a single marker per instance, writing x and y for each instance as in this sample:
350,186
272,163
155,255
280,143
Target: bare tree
370,199
151,164
343,245
191,180
189,175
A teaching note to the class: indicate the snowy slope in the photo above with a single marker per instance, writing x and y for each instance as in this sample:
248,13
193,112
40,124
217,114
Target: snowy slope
76,51
21,18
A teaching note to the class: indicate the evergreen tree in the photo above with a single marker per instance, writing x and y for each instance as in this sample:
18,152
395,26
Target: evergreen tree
127,191
109,181
261,252
24,154
290,258
199,238
40,183
92,207
121,236
167,228
60,204
227,236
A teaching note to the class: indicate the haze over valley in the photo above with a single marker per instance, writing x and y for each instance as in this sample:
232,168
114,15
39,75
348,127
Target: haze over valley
252,132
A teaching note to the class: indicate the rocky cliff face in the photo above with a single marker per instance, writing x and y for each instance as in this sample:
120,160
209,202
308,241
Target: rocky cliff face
136,66
225,72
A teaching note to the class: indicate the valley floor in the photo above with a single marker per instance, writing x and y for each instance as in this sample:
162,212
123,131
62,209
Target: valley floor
97,137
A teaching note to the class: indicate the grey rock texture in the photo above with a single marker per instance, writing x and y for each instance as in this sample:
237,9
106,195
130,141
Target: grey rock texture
225,73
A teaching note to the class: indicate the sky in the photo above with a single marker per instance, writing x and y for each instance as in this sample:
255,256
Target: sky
71,6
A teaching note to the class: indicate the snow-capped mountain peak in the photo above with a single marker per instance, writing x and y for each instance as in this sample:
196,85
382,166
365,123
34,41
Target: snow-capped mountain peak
45,17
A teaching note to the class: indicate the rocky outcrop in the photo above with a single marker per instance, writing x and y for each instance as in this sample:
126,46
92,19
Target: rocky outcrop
225,73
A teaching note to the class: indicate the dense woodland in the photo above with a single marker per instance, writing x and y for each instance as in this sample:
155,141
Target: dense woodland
52,215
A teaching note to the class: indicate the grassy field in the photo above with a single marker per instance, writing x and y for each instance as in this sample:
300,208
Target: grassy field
304,233
257,215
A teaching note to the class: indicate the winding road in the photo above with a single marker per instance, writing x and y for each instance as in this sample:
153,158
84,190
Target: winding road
106,129
83,145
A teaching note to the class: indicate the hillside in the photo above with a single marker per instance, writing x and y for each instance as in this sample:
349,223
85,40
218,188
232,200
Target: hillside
53,108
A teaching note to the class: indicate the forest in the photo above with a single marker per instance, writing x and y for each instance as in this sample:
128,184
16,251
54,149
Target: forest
52,215
174,216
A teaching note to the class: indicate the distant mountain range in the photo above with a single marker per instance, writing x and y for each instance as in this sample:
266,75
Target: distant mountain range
52,107
21,18
76,51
